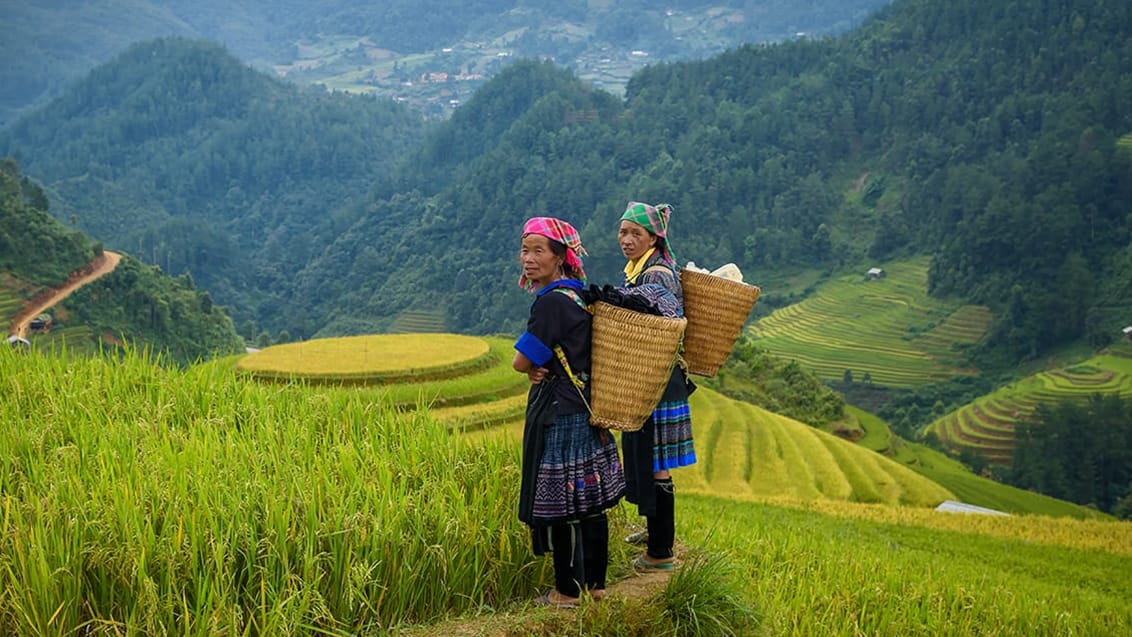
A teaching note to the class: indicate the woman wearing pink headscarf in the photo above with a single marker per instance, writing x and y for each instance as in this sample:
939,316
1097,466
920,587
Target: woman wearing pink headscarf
665,440
571,472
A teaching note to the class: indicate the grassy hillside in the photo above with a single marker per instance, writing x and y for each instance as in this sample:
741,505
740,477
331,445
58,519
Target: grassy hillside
153,500
986,426
888,328
745,452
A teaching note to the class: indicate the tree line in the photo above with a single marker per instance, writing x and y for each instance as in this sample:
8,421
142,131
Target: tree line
1079,451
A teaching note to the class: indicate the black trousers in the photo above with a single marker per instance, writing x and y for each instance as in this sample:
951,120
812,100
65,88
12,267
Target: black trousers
662,525
581,554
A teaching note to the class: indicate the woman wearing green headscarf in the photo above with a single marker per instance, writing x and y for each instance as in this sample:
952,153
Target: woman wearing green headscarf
665,440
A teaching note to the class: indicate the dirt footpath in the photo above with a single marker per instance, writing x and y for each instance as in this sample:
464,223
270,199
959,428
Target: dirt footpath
44,301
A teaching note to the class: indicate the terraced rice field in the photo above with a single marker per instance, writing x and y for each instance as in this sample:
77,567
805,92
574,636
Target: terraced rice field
747,453
76,340
887,328
10,305
375,359
986,426
744,452
477,389
419,322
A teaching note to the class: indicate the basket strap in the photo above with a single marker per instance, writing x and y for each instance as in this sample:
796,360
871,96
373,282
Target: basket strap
574,296
578,383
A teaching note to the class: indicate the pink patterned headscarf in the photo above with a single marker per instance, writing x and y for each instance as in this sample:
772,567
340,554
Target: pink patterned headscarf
562,232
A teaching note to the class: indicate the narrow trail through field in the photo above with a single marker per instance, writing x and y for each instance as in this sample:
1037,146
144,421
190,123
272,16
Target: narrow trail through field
100,266
524,619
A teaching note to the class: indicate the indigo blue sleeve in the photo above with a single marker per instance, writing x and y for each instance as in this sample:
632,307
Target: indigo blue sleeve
535,350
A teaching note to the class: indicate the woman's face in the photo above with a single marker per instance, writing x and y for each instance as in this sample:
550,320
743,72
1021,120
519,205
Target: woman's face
540,265
634,240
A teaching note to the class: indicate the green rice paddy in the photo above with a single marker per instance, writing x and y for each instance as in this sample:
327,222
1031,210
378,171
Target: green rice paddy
376,359
10,305
888,328
147,499
986,426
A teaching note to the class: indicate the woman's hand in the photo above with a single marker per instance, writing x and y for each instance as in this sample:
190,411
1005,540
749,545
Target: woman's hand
523,365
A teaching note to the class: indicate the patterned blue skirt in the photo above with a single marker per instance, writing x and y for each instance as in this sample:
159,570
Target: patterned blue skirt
672,444
578,474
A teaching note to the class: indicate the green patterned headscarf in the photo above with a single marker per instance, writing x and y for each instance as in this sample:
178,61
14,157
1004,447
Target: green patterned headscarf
655,220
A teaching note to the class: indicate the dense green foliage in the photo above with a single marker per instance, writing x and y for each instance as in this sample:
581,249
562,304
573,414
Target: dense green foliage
908,410
832,152
179,154
753,375
1077,452
34,247
135,304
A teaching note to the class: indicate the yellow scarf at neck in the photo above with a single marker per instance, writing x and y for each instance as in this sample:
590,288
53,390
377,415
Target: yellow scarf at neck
634,268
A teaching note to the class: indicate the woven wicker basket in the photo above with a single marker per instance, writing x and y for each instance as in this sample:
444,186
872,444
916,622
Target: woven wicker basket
716,310
633,358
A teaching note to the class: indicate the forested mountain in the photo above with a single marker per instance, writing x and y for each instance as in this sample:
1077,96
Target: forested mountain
33,245
135,304
47,45
179,154
985,134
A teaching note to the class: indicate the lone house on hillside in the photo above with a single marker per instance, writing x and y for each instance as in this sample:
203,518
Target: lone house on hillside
1128,333
876,273
41,323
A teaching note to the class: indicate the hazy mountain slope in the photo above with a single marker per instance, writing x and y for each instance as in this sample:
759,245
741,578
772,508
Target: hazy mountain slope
49,45
134,304
898,138
182,155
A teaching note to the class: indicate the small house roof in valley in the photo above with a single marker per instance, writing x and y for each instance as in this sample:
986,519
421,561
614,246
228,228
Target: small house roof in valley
1128,330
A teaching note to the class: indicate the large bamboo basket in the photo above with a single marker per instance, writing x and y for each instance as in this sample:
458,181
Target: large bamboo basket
633,358
716,309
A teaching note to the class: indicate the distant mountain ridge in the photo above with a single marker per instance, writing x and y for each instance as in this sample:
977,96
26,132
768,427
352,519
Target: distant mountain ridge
49,45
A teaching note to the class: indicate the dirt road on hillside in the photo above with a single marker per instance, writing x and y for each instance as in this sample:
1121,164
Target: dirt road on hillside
47,299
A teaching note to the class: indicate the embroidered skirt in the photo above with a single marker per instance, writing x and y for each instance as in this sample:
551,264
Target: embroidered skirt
578,474
672,445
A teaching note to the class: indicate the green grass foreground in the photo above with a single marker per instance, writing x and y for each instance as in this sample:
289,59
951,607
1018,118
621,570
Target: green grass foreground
140,499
